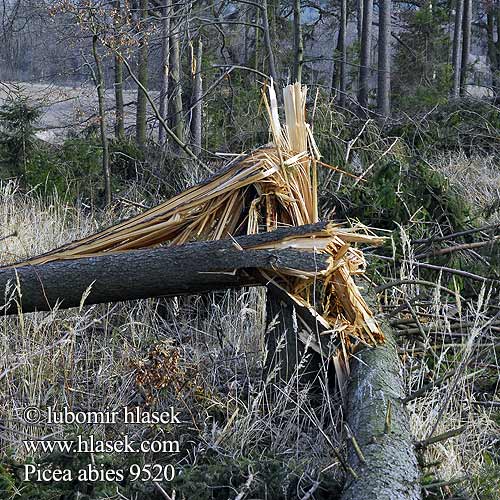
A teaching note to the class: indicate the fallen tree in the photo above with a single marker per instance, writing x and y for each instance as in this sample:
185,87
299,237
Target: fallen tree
309,270
186,269
381,449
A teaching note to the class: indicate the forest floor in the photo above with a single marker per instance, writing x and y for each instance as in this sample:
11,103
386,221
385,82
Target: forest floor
242,435
204,356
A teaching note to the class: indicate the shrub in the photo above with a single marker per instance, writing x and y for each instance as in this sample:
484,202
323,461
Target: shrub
17,131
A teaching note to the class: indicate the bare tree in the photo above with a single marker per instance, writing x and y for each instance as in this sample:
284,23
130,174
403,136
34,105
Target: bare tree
366,47
466,37
359,19
165,65
94,21
175,73
257,38
197,100
99,83
142,74
384,58
119,112
268,42
492,17
342,50
457,46
298,42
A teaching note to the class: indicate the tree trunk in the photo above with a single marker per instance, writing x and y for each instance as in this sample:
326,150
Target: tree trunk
136,274
119,113
384,59
298,42
176,98
494,46
359,19
165,54
342,53
466,40
268,43
196,100
457,46
245,37
99,83
140,274
142,75
379,422
366,48
257,38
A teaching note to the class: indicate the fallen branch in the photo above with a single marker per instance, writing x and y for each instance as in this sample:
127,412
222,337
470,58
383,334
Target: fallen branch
455,235
457,248
441,437
394,283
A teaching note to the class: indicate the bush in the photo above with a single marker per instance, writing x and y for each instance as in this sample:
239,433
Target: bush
396,192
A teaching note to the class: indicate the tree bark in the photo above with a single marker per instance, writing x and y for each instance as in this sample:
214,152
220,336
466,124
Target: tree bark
366,48
343,53
268,43
493,13
142,75
457,46
99,83
119,112
140,274
165,55
257,38
466,40
137,274
384,59
196,100
298,42
359,19
176,98
379,422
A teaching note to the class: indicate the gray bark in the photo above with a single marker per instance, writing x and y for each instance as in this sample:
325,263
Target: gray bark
493,14
268,42
197,101
343,53
99,83
284,320
298,42
466,34
175,72
359,19
379,422
140,274
165,55
257,38
384,59
142,75
119,113
366,48
137,274
457,46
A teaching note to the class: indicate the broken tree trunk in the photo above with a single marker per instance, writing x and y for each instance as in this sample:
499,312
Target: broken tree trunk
381,452
187,269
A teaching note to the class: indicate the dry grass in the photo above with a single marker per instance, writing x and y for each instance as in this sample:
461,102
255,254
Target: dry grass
91,359
467,358
475,178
